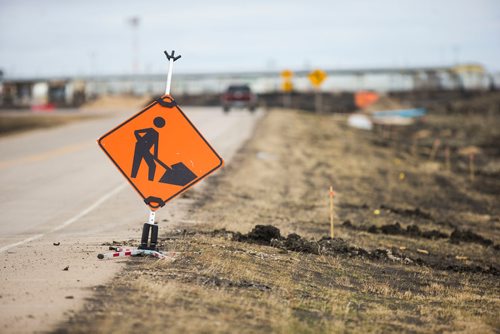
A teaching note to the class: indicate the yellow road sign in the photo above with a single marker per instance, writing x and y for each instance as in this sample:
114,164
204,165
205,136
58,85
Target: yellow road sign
286,74
317,77
287,86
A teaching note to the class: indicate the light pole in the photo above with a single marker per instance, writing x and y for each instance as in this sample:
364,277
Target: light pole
134,24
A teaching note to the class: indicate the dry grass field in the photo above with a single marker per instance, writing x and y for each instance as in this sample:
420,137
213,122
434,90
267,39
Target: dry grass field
415,250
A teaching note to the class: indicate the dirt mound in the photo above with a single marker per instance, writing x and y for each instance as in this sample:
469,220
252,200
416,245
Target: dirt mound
417,212
261,234
269,235
484,103
386,103
296,243
117,102
458,236
396,229
264,234
16,122
390,229
414,231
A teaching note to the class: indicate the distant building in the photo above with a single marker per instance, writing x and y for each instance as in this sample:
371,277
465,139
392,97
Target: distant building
24,93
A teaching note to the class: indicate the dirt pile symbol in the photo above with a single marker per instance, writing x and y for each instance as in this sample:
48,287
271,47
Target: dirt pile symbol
147,140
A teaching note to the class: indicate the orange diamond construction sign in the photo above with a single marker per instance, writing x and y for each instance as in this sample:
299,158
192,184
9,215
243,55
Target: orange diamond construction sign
160,152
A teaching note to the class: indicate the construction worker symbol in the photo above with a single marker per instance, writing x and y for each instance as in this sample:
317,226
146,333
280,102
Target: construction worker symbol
160,152
146,150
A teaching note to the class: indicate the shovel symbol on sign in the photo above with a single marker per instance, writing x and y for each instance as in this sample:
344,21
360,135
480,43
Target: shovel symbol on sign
147,139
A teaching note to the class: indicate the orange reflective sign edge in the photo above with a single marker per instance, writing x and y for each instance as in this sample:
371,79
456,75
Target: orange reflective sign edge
160,152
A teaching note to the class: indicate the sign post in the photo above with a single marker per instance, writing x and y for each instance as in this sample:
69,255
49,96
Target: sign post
317,77
331,194
287,87
171,58
160,153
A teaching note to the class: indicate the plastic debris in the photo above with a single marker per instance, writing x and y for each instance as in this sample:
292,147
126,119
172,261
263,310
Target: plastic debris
122,252
360,121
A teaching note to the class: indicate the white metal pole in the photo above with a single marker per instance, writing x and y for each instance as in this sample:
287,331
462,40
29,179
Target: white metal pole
169,75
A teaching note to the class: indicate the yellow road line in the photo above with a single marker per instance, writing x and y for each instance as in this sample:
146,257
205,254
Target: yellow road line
46,155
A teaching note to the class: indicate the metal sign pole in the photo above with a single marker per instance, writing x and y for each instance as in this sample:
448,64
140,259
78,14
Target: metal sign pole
169,75
146,242
171,58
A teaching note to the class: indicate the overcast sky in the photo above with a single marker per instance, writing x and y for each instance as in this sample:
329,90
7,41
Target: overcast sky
64,37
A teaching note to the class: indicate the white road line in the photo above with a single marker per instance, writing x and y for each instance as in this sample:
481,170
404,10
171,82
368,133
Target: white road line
70,221
4,248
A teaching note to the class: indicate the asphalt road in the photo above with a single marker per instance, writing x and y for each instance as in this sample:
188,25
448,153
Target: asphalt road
59,187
